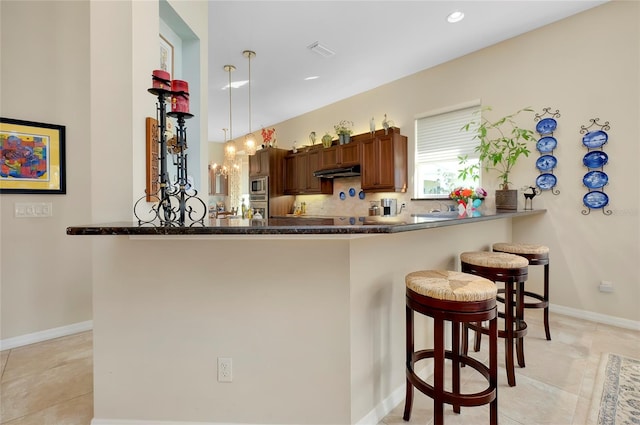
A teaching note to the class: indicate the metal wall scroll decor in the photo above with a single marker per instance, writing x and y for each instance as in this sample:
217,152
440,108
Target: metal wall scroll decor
594,139
547,162
174,203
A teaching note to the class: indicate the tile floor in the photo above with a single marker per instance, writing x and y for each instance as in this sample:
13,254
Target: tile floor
50,383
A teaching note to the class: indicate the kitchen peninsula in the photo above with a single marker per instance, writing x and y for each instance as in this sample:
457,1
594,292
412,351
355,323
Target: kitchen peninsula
298,225
312,315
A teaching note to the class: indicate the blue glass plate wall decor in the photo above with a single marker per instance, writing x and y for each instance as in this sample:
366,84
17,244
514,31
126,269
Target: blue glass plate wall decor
546,144
343,196
361,195
595,179
352,192
546,181
546,163
595,159
546,126
595,139
595,199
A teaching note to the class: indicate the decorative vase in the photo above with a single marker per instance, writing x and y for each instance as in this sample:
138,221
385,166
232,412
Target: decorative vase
470,209
507,199
462,208
477,203
327,141
344,138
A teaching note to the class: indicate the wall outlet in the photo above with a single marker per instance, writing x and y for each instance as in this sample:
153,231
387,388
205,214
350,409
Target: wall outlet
606,286
225,370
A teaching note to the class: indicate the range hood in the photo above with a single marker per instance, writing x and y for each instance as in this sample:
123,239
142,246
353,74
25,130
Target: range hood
338,172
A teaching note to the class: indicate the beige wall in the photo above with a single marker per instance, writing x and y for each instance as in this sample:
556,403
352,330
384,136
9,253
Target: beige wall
45,275
72,68
587,66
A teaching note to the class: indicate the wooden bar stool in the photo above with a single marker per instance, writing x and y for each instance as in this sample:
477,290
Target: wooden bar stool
512,270
538,255
458,298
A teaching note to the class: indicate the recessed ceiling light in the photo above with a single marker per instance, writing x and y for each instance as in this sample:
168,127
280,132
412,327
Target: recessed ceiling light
456,16
313,77
236,84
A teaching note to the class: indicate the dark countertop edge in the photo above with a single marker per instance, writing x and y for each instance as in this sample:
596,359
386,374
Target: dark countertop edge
131,229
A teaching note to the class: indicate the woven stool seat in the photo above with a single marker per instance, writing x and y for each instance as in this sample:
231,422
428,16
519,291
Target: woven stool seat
460,299
450,285
520,248
512,270
494,259
537,255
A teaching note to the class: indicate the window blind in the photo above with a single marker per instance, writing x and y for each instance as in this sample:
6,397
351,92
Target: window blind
441,137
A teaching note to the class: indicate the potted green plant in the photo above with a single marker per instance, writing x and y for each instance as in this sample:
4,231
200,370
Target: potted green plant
343,130
501,144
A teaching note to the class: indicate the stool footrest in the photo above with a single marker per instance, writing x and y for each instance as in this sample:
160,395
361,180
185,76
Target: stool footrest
541,304
520,332
470,399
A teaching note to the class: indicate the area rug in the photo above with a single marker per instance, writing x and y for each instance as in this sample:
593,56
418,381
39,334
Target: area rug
616,397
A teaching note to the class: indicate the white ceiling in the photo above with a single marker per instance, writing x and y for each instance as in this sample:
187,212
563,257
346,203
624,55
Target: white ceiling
375,42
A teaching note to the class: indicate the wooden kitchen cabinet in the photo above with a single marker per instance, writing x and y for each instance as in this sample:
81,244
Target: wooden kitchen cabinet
259,163
340,156
384,162
269,162
299,178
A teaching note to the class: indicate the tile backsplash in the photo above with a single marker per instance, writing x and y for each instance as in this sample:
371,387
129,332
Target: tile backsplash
353,206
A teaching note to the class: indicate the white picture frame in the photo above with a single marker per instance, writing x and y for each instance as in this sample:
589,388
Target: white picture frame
166,55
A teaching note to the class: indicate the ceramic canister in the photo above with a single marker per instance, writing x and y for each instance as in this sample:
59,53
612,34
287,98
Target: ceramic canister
180,96
161,79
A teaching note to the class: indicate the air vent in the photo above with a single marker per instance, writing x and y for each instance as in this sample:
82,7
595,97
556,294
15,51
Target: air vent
321,50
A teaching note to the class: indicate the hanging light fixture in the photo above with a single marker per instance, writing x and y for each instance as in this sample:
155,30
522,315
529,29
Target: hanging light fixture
249,140
230,146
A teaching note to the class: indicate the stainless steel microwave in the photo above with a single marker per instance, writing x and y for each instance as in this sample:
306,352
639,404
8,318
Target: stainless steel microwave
259,185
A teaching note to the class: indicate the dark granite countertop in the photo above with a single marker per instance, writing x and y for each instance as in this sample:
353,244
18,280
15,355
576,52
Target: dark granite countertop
296,225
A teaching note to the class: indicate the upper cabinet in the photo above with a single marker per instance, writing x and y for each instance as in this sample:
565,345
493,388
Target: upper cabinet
269,162
299,178
384,162
340,156
382,158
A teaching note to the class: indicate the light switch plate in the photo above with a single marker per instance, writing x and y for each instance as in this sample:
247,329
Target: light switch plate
33,209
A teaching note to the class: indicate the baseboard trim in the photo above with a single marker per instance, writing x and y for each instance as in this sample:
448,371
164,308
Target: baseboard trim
384,408
396,397
32,338
595,317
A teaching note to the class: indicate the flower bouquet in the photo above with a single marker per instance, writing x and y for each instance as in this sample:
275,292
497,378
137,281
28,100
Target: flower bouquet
268,137
343,127
468,198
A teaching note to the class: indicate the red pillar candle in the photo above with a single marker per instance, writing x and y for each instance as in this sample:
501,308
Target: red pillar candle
161,79
180,96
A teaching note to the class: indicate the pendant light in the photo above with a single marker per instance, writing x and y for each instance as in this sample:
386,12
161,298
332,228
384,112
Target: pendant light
224,168
230,146
249,140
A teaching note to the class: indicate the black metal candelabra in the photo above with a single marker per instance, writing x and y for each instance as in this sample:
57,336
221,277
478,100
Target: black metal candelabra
173,204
